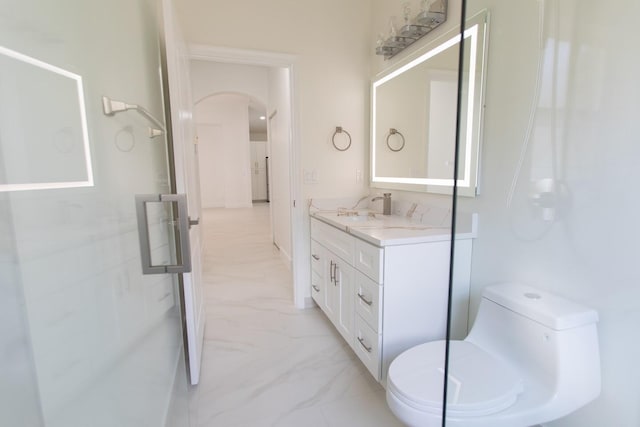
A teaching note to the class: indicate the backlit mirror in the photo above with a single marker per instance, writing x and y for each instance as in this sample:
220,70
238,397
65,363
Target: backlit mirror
44,142
414,116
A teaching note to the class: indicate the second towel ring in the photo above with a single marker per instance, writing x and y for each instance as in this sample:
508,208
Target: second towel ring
333,138
393,131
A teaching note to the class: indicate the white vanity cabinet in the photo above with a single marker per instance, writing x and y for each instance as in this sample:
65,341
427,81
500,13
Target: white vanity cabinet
333,276
387,299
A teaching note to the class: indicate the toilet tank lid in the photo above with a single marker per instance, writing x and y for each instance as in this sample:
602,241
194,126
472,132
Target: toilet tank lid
543,307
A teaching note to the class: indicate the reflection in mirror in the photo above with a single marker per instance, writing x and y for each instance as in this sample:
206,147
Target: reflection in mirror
419,99
46,130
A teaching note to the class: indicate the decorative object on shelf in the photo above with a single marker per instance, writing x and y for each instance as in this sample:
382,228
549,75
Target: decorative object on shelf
333,138
431,15
392,132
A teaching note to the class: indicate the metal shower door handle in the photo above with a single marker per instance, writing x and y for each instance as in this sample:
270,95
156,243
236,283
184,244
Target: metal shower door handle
182,224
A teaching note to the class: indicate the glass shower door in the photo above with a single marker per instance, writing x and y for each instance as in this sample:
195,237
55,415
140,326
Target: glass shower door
85,338
558,209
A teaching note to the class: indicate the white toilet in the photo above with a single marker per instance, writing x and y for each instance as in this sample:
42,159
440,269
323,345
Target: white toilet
530,357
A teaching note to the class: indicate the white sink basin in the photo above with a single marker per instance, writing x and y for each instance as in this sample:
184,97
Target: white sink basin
360,218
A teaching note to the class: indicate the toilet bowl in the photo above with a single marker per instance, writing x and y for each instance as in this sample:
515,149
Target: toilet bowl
531,357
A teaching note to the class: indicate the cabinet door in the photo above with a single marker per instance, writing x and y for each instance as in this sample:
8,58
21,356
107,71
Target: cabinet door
331,290
344,279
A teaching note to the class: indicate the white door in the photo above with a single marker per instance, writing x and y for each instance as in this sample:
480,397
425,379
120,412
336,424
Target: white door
259,171
187,181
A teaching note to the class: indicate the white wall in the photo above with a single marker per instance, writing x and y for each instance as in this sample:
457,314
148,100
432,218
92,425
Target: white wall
258,136
222,124
18,388
209,78
588,252
331,42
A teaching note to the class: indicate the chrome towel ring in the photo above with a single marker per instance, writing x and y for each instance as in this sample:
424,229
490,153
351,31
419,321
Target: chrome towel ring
333,138
393,131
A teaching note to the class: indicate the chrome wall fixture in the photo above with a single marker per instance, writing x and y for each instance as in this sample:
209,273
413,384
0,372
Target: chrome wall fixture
339,129
110,107
392,132
432,14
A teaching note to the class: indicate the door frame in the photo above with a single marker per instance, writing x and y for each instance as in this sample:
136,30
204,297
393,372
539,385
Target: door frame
271,59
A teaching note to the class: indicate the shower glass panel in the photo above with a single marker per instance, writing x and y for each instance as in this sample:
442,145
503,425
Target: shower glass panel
85,338
557,208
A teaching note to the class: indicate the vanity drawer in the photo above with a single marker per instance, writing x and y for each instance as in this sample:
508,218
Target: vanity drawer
367,346
317,289
370,260
368,301
317,259
338,242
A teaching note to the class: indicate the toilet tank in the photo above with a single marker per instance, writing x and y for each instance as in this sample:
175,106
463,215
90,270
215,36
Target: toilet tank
543,307
550,339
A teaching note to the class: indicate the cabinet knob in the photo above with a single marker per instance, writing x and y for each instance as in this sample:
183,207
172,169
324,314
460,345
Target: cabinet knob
316,257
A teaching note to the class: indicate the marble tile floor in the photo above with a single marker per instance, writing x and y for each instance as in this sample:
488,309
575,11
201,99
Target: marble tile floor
265,363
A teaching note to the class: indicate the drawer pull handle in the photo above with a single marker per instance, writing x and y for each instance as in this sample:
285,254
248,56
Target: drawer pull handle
365,300
164,297
315,288
332,271
316,257
364,345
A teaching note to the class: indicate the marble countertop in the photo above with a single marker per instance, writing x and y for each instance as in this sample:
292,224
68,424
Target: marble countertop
385,230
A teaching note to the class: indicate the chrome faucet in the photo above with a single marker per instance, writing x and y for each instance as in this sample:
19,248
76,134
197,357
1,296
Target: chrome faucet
386,203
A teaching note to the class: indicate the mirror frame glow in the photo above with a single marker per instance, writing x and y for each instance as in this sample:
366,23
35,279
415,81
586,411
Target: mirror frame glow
82,120
477,26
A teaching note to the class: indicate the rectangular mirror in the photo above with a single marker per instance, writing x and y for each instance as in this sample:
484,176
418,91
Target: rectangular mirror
414,110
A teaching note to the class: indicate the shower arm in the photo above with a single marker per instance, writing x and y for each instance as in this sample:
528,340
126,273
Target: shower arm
111,107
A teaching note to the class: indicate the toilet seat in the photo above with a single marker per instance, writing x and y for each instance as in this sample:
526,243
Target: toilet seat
479,383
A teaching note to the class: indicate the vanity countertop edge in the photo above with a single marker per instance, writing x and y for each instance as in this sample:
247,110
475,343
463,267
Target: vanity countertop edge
391,230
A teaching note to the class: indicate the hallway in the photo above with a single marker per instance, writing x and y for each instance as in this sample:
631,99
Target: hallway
266,363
